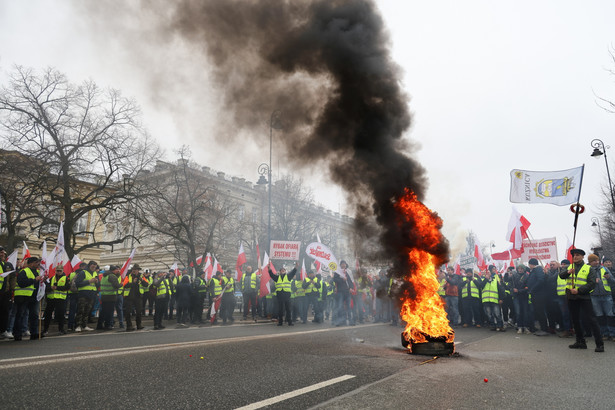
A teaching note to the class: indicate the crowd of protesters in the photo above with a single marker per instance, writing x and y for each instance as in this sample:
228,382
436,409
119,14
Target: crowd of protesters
104,300
567,298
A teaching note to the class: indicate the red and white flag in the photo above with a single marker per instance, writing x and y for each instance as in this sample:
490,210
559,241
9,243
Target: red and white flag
43,264
175,269
124,269
303,273
12,259
241,259
569,248
517,229
265,278
458,265
26,251
198,261
478,254
208,269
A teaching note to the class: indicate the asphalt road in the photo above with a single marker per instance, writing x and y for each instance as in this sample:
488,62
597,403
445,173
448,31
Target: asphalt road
299,367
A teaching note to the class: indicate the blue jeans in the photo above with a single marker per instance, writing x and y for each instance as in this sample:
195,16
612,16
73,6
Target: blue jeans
119,308
452,309
563,307
522,312
72,309
603,308
493,313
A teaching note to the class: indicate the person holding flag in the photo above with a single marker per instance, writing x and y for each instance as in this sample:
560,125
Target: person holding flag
282,287
56,300
250,284
28,281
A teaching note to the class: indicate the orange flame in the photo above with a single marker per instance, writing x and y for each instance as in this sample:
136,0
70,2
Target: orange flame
423,309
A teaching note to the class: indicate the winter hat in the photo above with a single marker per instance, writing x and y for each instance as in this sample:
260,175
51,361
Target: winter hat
592,258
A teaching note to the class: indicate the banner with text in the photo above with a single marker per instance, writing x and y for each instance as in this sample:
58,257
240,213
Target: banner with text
322,254
285,250
541,249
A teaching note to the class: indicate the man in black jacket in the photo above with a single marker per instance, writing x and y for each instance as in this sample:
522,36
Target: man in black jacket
580,281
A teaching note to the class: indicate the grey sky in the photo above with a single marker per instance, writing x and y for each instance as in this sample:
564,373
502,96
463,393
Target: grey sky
493,85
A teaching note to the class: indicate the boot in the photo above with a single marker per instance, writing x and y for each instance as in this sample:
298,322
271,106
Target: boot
579,345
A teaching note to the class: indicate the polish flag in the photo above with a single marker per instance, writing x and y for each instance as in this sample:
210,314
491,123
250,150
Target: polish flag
303,273
458,265
208,269
198,261
74,262
478,254
265,278
124,269
517,229
217,267
241,259
12,259
26,251
569,248
44,259
175,269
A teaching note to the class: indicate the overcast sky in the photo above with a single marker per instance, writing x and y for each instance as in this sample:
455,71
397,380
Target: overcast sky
493,85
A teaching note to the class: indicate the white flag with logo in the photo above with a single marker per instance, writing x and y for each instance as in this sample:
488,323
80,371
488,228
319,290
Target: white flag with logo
546,187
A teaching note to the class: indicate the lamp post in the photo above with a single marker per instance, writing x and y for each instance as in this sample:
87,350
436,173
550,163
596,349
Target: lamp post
265,169
599,150
596,222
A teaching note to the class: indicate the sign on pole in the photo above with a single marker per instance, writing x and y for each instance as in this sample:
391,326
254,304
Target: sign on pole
542,249
285,250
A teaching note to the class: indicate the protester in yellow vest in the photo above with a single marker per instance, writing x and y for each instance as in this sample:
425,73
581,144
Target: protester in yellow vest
563,301
580,282
28,281
87,282
7,286
134,286
228,298
492,296
162,285
56,300
109,286
282,288
601,298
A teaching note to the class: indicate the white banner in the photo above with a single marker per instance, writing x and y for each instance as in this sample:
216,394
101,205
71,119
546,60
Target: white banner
541,249
322,254
285,250
546,187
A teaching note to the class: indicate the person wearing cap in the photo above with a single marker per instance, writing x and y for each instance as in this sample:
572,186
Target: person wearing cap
601,298
7,286
28,281
580,282
562,300
87,282
536,287
109,286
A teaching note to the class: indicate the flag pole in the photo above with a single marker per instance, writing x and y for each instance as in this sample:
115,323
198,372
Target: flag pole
578,207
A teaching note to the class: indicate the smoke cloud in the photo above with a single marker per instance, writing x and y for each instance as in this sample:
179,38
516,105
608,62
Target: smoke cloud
326,65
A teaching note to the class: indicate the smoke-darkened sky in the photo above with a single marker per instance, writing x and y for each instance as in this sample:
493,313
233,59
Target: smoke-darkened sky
491,88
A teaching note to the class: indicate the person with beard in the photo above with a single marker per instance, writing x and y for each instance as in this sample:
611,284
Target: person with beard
580,282
282,288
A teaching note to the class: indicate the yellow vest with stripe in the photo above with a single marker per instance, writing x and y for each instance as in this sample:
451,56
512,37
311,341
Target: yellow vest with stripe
299,292
473,290
58,294
441,290
252,282
330,289
163,288
217,286
231,284
311,288
577,279
89,286
490,292
29,290
606,285
1,278
561,286
282,284
142,288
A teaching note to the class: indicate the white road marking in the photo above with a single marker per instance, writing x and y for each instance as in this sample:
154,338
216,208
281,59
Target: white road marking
66,357
295,393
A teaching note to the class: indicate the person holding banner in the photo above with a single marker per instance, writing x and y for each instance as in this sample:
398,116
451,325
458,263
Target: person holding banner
580,282
282,287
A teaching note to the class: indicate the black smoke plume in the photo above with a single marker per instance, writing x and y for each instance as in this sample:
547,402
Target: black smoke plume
326,64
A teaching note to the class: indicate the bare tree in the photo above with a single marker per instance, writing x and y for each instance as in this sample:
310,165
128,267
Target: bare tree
182,211
90,140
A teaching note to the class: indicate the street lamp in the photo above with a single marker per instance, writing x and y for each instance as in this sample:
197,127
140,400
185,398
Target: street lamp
596,222
597,144
265,169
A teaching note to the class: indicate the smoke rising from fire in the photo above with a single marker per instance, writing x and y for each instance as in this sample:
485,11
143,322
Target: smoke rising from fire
326,65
